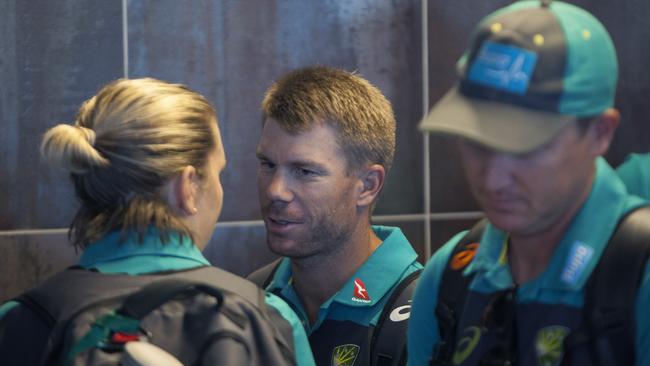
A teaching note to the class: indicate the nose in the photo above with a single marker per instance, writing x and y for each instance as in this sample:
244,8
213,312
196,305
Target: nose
277,189
497,171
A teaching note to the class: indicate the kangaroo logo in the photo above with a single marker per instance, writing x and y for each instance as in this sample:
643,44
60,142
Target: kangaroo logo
360,292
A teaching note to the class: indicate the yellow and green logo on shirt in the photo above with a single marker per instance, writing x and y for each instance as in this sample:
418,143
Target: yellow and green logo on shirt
345,355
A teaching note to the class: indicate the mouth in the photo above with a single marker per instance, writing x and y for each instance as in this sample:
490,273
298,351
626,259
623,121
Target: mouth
501,204
277,224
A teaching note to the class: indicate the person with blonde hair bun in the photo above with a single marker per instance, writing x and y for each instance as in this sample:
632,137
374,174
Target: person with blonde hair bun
145,158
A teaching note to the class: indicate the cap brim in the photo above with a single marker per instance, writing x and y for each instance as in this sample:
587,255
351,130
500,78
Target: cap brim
499,126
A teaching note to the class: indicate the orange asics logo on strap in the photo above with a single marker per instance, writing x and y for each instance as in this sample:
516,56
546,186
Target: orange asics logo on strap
462,258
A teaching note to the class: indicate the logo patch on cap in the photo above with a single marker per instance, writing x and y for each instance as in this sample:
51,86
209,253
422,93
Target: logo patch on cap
360,292
503,67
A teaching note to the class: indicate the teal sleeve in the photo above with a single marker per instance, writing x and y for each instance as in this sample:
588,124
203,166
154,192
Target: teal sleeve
6,307
304,357
423,334
642,345
635,173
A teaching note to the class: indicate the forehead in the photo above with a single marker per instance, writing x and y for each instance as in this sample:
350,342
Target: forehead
320,140
565,135
220,153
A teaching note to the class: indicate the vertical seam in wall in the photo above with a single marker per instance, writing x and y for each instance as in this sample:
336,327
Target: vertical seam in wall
425,136
125,39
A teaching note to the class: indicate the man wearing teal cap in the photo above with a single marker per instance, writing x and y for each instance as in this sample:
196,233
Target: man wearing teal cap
554,275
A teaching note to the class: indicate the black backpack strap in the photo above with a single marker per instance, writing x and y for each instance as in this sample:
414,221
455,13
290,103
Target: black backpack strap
263,276
611,292
152,296
388,343
42,312
224,280
452,293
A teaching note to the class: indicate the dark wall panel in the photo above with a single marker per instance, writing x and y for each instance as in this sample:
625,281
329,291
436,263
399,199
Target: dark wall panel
443,230
239,249
54,55
232,51
26,260
450,24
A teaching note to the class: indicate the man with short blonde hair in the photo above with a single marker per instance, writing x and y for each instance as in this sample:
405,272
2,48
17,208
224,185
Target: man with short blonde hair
327,143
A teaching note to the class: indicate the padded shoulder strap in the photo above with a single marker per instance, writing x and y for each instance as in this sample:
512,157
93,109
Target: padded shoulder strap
610,294
217,277
388,344
453,290
42,312
65,293
263,276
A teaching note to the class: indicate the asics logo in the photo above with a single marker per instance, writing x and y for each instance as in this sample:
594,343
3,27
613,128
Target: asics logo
401,313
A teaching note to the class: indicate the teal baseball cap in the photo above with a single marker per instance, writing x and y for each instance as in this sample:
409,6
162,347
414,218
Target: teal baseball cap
532,68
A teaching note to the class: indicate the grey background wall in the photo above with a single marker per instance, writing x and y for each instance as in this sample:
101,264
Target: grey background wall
54,55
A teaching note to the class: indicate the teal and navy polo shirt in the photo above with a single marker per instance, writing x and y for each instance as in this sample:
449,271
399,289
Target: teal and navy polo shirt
560,285
178,253
345,321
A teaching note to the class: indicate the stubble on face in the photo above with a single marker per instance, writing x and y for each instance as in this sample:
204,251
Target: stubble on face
307,195
324,232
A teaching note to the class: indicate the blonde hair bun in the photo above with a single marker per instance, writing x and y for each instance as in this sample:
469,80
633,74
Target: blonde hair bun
71,148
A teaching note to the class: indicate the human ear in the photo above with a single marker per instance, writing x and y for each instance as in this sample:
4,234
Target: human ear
602,130
372,180
184,191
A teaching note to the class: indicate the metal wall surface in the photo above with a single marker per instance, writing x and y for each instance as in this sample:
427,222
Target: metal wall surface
53,55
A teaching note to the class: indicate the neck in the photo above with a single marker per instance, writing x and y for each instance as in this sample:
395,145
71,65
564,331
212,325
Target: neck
530,254
318,278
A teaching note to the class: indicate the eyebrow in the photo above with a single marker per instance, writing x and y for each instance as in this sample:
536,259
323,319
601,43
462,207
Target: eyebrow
296,163
308,163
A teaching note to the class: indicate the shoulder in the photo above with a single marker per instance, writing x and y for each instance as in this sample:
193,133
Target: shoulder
435,267
262,275
423,333
635,173
303,352
6,307
634,161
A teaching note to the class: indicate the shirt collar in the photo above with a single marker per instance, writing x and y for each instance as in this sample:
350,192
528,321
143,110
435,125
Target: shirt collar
110,254
374,278
588,236
580,248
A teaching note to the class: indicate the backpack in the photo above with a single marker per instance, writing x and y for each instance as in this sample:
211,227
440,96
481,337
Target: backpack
203,316
608,323
388,340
